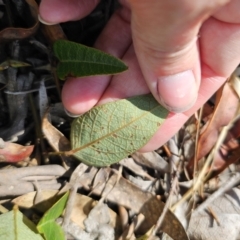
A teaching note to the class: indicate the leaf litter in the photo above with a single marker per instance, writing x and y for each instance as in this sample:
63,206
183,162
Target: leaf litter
199,199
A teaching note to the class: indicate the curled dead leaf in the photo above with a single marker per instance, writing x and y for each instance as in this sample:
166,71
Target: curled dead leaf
12,152
12,33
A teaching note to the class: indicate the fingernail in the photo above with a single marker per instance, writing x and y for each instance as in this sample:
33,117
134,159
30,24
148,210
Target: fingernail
44,22
178,92
71,114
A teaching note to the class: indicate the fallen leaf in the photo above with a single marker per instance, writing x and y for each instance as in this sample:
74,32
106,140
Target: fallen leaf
144,185
27,200
83,206
229,151
226,208
98,222
110,132
152,160
224,112
141,202
57,140
78,60
135,168
12,152
14,225
16,33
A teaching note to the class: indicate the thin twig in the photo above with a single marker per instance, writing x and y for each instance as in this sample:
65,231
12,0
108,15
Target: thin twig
167,204
234,180
74,182
204,171
196,144
26,92
214,216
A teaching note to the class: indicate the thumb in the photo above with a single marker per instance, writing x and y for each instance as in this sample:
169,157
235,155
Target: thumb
165,41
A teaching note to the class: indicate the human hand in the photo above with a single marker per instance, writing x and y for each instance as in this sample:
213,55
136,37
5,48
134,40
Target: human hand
173,59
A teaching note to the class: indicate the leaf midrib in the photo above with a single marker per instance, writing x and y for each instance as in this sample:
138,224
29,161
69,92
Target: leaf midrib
99,63
109,134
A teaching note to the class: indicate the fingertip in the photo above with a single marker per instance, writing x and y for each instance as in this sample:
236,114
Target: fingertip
55,11
40,19
51,12
177,92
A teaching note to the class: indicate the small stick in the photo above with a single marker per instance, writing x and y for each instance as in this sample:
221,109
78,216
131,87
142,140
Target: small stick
167,204
214,215
235,179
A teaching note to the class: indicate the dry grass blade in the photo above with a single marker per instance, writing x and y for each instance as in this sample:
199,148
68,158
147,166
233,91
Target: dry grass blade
224,112
204,173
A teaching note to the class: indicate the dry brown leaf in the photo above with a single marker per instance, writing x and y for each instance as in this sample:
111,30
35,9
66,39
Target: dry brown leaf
135,168
229,151
101,176
144,185
98,222
131,197
56,139
225,222
12,152
224,112
27,200
151,160
12,33
128,195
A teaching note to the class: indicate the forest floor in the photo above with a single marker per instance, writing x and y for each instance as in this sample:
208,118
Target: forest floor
186,189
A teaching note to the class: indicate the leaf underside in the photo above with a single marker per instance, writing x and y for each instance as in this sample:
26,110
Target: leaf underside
78,60
110,132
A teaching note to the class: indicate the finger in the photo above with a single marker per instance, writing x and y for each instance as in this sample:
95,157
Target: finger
175,121
165,40
55,11
220,50
132,83
229,13
220,56
81,94
127,84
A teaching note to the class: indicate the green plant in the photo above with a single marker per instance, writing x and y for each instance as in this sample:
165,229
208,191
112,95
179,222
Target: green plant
14,225
107,133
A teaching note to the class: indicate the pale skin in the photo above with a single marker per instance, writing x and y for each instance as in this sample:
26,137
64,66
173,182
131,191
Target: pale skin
180,51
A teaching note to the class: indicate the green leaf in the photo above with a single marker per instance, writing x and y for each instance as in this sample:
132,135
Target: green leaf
110,132
78,60
18,64
12,63
47,225
15,226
